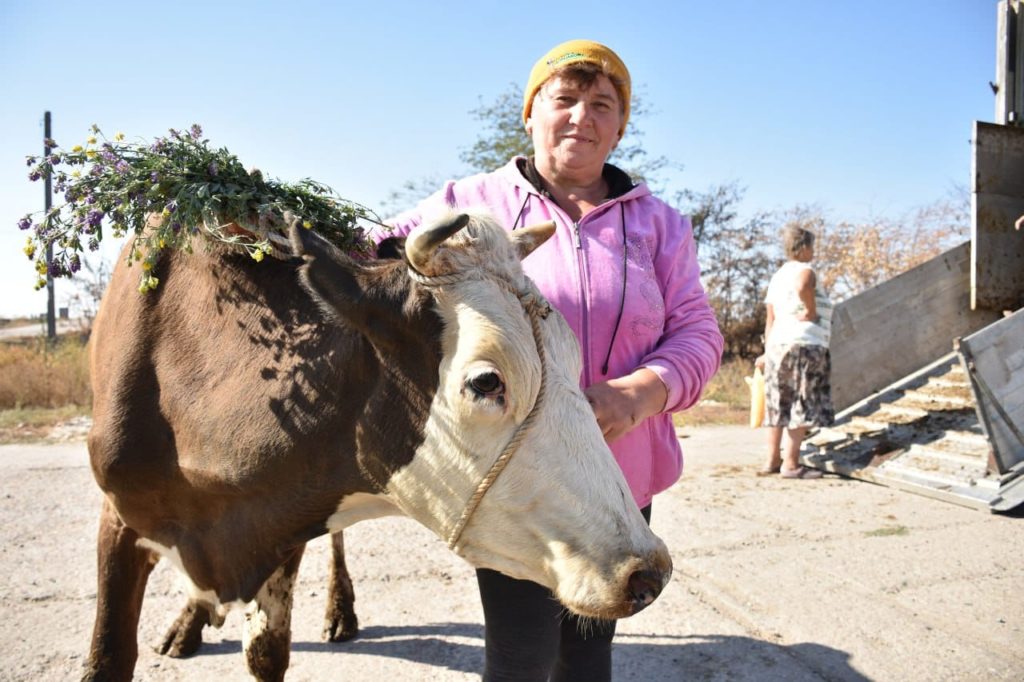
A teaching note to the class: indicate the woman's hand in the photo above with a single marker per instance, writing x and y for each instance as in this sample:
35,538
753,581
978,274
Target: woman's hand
759,362
621,404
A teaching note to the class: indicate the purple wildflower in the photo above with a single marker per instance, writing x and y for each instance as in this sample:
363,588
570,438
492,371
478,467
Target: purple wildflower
25,223
212,168
30,160
195,131
34,175
94,244
176,227
50,142
154,177
95,217
121,167
172,206
90,200
55,269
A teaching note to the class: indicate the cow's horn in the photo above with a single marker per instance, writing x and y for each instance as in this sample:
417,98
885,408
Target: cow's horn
421,244
529,238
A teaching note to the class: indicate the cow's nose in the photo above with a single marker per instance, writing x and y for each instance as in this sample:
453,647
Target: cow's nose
644,587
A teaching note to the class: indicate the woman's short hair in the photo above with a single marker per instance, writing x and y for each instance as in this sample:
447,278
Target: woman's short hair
794,238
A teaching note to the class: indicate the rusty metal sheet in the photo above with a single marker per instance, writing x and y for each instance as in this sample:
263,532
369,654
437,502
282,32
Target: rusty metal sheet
997,201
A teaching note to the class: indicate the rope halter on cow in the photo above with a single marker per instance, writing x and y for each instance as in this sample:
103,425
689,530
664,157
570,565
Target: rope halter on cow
537,309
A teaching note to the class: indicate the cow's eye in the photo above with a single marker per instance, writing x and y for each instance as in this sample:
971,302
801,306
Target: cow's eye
487,384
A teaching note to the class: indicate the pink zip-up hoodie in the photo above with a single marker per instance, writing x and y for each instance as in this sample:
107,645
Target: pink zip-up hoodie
653,313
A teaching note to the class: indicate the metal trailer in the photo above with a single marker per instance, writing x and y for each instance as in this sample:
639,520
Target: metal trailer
928,367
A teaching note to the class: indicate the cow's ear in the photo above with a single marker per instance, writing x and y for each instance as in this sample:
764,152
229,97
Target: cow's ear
331,278
529,238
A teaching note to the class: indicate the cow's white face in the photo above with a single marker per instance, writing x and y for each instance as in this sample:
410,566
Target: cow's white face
560,514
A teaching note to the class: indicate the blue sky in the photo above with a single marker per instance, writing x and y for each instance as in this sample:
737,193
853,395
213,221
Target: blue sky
862,107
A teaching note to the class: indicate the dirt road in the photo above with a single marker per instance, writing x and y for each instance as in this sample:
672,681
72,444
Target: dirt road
795,580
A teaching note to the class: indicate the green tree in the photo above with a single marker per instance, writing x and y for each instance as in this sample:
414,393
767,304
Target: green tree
737,259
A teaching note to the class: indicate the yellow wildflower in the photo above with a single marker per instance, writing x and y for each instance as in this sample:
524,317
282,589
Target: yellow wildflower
91,139
119,136
41,267
76,174
40,283
30,249
257,255
77,148
308,225
90,153
147,266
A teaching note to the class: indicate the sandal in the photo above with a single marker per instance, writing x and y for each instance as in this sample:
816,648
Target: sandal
769,471
801,472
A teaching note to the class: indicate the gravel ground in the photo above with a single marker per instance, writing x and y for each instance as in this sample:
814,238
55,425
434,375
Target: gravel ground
797,580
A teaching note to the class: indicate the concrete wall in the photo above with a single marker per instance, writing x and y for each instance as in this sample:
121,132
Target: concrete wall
901,325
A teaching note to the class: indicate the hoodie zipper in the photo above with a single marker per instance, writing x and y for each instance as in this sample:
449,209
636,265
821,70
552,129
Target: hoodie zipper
584,302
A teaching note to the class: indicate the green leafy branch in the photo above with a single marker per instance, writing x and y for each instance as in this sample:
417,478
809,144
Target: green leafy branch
166,193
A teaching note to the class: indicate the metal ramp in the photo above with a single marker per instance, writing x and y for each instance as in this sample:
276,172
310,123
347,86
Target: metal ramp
922,435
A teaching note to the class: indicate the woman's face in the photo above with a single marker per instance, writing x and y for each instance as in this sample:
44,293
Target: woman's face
573,129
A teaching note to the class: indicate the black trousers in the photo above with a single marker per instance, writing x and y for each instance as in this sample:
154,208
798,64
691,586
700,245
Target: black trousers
530,637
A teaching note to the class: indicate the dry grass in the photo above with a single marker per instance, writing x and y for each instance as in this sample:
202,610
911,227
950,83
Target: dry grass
42,386
726,399
35,374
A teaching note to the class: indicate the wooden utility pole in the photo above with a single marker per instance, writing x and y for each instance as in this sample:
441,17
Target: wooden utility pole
51,317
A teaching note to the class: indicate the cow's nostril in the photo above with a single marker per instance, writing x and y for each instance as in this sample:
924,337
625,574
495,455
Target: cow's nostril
644,587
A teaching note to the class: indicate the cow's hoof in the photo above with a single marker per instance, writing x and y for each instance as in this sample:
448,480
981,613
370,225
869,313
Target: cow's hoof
340,626
185,636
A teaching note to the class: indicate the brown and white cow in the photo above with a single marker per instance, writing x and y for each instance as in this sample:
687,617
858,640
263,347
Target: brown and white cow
237,416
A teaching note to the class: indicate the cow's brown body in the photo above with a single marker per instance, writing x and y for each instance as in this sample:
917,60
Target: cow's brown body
225,416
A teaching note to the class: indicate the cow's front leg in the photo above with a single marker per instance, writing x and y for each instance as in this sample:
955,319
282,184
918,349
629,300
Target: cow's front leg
185,635
340,622
122,569
268,623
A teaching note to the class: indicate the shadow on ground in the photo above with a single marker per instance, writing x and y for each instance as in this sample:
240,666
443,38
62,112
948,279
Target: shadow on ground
666,658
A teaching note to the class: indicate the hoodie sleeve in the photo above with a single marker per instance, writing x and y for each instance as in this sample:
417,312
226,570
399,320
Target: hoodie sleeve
690,349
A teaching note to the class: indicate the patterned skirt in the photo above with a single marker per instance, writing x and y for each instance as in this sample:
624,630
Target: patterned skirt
798,387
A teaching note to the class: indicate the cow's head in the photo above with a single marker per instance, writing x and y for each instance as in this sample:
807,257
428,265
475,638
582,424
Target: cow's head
556,509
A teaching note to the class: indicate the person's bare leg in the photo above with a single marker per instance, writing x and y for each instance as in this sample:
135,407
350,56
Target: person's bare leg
774,448
791,455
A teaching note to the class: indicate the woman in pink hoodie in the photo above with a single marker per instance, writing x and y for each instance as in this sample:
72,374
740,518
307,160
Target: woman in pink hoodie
622,269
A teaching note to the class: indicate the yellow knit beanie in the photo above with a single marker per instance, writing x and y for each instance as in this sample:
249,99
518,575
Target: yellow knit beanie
578,51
